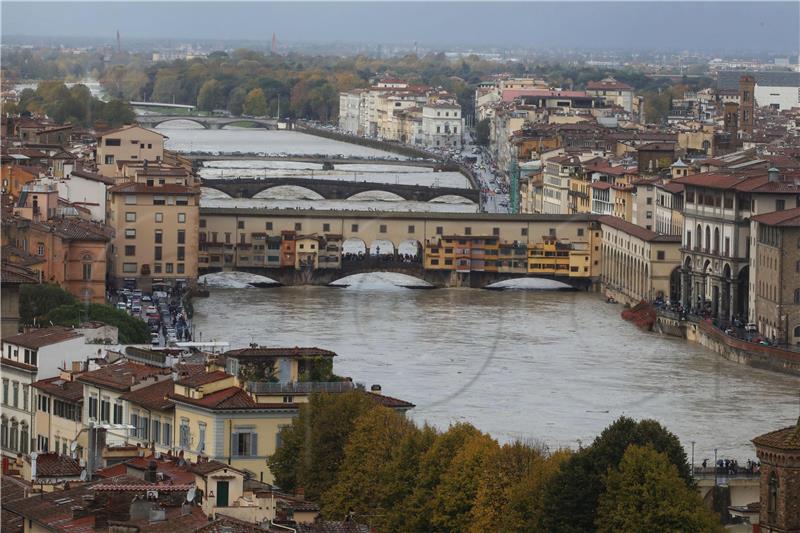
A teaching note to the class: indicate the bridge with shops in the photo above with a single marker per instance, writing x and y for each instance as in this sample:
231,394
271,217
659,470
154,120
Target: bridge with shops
335,189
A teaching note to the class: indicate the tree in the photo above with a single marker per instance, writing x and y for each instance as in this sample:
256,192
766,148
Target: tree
380,462
117,113
131,330
236,101
312,447
454,497
255,104
210,96
570,498
36,301
647,494
482,132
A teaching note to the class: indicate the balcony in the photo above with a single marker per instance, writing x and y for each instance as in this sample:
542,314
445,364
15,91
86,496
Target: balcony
299,387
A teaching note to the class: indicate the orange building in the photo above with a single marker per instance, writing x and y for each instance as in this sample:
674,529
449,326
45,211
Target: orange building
14,178
71,252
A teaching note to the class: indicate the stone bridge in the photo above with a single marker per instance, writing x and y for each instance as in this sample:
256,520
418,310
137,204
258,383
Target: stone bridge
200,158
334,189
434,278
209,123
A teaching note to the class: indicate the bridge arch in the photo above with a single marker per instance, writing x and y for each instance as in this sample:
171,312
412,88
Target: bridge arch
212,193
410,247
199,122
353,248
380,247
254,123
288,192
452,199
373,194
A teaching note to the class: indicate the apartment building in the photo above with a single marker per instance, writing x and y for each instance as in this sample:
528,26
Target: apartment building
612,92
558,171
775,275
125,144
59,412
442,125
155,219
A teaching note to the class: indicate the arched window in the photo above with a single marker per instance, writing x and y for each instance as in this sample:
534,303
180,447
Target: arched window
689,239
716,240
699,236
773,491
4,432
24,437
14,436
797,296
708,238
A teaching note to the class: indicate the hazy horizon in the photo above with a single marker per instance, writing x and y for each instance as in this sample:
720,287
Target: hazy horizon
697,26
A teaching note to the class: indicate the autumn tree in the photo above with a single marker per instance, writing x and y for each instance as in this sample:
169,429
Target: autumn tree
312,447
570,498
646,494
255,103
381,459
210,96
236,101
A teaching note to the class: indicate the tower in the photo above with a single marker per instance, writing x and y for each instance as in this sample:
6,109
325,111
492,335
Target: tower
779,453
274,47
119,44
747,103
731,119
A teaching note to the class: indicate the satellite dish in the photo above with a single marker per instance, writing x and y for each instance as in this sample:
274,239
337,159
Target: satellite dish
191,494
83,475
73,446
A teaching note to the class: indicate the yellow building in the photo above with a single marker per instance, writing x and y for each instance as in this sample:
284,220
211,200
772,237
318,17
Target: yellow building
59,412
156,239
128,143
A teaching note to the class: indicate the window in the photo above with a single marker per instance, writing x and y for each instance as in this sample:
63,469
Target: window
298,226
468,231
157,268
580,232
660,255
113,142
159,200
130,216
268,225
40,249
156,432
15,395
117,413
130,199
169,268
439,230
184,436
105,410
181,253
166,439
4,432
780,205
201,439
496,232
354,228
773,492
157,253
411,229
523,232
93,406
181,236
129,268
25,392
181,200
382,228
130,251
326,227
5,391
244,443
130,233
181,218
181,268
108,160
240,224
552,232
87,271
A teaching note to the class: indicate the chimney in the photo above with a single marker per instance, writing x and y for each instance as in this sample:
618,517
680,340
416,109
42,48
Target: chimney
774,174
150,474
376,389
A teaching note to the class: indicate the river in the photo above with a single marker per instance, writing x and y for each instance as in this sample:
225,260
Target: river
552,366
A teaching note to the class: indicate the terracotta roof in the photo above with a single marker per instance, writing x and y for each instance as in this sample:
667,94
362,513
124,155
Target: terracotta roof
66,390
231,398
143,188
54,465
206,467
637,231
201,378
93,176
511,94
37,338
153,396
608,83
17,364
602,185
120,376
787,438
671,186
118,469
13,489
280,352
788,217
126,127
388,401
16,274
754,181
81,230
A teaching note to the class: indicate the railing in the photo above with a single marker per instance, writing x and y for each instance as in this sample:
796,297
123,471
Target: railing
299,387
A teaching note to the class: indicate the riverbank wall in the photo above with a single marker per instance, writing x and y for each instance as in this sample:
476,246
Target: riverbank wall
732,349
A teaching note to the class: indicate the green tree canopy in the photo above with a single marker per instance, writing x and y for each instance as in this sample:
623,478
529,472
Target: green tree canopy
131,330
255,103
646,494
210,96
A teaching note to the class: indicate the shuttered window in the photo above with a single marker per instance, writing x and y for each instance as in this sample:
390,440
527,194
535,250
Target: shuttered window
244,443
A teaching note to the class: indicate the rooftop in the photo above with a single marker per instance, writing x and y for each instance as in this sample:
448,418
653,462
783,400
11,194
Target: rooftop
637,231
38,338
153,396
787,438
201,378
60,388
52,464
231,398
786,218
121,375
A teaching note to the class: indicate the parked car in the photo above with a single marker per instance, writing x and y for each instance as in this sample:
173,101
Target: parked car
121,306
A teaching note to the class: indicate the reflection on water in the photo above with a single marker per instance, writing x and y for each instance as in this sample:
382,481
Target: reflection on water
555,366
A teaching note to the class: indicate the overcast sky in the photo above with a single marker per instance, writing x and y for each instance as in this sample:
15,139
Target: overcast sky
757,26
